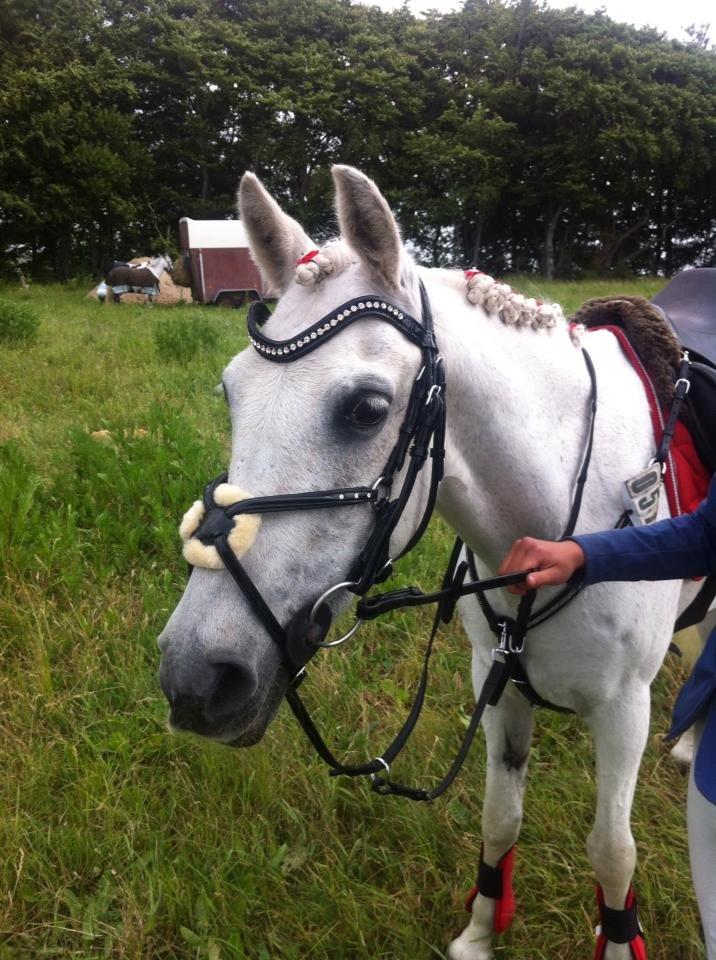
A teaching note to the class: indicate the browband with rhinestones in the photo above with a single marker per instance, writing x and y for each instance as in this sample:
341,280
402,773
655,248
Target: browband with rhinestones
283,351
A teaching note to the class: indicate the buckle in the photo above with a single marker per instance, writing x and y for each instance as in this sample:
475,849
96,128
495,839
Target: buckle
433,392
500,652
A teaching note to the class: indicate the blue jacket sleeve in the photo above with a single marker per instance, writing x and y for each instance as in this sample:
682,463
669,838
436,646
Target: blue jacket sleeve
666,550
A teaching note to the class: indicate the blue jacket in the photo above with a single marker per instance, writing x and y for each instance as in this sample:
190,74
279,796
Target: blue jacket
670,550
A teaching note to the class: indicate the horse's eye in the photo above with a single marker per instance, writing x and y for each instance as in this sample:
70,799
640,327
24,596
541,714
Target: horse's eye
368,411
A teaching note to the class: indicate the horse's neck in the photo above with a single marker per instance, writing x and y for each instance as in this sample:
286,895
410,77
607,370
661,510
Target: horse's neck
157,265
518,419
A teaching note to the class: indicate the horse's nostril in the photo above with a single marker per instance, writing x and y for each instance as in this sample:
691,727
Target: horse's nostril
234,686
187,713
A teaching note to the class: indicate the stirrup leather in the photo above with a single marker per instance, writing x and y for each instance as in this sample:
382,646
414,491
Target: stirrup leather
496,883
619,926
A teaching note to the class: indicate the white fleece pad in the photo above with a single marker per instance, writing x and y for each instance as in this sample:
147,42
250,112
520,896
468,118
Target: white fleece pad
241,538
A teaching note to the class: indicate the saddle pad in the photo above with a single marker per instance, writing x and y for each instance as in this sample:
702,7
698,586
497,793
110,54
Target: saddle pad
686,480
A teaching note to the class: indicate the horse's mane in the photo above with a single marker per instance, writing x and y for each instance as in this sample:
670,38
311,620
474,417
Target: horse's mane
330,259
480,289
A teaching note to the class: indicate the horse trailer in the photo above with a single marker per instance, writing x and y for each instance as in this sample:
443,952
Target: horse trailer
220,266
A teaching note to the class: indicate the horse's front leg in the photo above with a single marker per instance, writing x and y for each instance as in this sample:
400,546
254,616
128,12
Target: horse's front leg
620,729
508,732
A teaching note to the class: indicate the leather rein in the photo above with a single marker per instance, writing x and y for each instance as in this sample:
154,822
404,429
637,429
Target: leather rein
421,438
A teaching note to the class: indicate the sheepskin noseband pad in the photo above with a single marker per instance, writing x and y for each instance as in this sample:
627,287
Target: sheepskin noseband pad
201,526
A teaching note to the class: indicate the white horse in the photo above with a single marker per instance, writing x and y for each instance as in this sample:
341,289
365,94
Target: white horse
518,402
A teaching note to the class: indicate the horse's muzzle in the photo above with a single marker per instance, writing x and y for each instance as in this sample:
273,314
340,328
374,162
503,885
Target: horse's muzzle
220,701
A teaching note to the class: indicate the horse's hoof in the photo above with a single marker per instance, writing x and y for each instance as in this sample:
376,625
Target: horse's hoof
468,947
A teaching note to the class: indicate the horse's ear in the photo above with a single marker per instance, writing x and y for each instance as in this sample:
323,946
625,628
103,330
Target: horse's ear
367,223
276,240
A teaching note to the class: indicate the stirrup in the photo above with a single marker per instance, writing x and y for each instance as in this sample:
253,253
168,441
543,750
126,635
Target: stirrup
619,926
496,883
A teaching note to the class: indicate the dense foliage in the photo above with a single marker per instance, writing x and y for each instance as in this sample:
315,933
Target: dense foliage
506,134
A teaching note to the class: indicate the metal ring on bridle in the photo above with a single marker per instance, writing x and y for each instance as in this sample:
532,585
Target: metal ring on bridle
314,610
385,765
381,482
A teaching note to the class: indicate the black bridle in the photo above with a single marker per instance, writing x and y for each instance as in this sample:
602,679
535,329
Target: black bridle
421,438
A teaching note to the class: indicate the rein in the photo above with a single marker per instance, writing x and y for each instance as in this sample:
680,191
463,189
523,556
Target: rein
421,438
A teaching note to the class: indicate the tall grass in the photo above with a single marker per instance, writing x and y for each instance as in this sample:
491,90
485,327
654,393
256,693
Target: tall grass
119,840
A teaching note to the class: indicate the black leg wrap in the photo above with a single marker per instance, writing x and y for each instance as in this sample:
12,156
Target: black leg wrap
489,880
620,926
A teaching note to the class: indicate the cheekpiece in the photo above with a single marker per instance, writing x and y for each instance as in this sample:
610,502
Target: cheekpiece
284,351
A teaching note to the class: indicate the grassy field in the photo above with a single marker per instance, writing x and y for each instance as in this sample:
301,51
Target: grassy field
120,840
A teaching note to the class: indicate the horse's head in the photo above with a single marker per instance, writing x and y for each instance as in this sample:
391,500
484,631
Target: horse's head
162,262
326,419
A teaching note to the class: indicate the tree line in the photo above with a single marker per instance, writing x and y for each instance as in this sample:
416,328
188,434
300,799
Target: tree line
506,135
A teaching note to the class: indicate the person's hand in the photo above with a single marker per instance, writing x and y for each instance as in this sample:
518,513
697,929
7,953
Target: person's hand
551,562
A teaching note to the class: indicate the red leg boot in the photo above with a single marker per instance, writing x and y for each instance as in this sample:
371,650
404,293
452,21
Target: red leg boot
496,883
619,926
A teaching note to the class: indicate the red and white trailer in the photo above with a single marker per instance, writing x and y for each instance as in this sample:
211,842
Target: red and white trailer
217,253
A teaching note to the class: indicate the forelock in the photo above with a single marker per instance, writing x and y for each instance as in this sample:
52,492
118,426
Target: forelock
329,260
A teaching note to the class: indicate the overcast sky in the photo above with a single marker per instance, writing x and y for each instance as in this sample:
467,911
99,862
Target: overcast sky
670,18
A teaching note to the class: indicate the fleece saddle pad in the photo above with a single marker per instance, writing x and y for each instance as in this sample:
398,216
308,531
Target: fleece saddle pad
656,341
687,477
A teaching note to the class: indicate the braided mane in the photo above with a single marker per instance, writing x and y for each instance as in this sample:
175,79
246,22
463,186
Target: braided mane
513,308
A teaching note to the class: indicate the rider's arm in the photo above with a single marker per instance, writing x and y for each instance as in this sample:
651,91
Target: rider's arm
667,550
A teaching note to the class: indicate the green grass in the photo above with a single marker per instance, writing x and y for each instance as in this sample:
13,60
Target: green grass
119,840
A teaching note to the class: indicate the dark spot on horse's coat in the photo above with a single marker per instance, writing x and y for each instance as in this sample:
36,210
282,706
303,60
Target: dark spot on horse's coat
512,758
